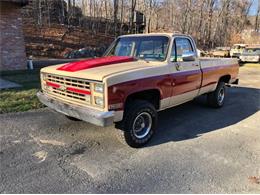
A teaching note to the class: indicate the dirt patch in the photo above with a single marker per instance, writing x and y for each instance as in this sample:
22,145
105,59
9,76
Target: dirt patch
52,142
254,179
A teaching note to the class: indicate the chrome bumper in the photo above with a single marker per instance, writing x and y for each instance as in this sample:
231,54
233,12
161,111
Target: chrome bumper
93,116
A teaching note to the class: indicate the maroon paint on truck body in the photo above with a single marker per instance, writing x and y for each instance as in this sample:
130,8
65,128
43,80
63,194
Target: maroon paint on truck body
119,92
171,84
186,81
168,85
211,75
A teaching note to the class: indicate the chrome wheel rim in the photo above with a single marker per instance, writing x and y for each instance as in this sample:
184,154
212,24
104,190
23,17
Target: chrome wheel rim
221,95
142,125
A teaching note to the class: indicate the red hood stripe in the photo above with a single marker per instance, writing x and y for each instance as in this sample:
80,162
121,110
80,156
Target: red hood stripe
96,62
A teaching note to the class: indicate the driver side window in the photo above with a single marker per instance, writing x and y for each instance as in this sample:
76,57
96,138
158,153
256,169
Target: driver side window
181,47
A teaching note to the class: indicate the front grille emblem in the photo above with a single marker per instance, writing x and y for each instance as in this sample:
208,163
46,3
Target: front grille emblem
63,88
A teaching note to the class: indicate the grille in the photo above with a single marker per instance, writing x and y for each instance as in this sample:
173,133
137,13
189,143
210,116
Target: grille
68,81
59,85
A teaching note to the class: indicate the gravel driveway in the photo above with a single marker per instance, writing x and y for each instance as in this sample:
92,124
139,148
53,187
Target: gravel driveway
197,150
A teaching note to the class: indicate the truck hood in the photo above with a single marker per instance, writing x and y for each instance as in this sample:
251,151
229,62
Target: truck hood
88,69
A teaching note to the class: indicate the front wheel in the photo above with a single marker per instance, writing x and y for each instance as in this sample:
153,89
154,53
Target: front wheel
139,124
216,98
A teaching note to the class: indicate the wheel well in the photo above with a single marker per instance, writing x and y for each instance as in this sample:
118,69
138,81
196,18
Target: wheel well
151,95
225,78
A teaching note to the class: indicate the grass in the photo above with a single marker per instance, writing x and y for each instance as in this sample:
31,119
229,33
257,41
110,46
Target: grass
24,98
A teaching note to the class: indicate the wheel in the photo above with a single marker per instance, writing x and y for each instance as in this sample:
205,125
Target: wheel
72,118
216,98
139,124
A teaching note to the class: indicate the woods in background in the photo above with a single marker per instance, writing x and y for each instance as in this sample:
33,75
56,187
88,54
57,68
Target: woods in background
211,22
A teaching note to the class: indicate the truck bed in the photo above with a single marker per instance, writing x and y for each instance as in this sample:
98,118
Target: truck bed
215,68
210,62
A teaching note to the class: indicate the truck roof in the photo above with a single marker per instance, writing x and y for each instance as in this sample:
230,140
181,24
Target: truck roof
256,46
240,44
155,34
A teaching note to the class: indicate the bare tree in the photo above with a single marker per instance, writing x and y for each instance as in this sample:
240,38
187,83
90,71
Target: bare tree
115,16
211,22
133,5
257,18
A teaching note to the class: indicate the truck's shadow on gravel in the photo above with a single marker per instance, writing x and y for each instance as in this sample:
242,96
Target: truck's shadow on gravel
195,118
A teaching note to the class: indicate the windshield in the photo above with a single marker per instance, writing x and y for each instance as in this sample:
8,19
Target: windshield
238,47
252,50
151,48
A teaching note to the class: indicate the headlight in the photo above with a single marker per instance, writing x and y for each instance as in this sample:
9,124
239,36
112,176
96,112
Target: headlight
99,101
99,88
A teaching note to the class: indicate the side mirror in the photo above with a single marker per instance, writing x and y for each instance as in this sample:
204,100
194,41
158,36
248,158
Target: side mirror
189,56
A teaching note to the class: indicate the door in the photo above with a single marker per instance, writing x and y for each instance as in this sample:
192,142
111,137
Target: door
185,71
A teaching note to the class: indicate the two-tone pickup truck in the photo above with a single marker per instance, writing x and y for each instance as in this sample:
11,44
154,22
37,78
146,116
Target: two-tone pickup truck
138,76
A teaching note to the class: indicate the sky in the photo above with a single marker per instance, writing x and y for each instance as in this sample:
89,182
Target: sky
254,7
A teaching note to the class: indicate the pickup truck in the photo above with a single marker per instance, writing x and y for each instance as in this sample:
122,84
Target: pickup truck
221,52
138,76
250,54
237,50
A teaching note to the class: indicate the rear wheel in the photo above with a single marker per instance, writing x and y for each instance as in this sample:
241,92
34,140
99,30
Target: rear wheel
139,124
216,98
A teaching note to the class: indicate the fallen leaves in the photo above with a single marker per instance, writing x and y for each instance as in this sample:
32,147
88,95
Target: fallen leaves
254,179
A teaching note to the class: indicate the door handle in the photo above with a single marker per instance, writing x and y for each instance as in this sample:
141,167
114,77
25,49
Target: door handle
178,66
195,64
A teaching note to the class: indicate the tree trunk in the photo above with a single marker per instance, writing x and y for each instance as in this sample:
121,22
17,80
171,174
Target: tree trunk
257,18
115,16
133,5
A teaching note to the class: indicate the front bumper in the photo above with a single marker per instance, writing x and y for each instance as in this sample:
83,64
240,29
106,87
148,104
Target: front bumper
93,116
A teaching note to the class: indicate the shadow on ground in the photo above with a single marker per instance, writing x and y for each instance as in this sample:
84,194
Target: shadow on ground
193,119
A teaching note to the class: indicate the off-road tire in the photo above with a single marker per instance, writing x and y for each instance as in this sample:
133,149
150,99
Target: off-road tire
126,134
216,99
